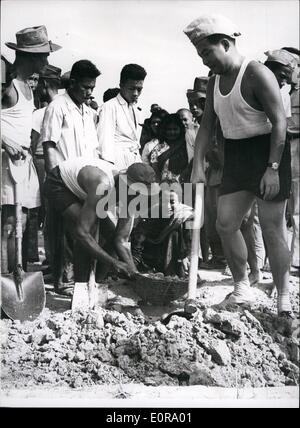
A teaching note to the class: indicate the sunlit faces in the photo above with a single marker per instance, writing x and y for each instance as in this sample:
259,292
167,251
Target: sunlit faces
213,55
33,81
197,107
170,199
172,133
283,75
131,90
82,89
186,118
154,124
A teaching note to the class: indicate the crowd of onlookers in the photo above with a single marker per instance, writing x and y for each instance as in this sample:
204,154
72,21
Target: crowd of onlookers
48,117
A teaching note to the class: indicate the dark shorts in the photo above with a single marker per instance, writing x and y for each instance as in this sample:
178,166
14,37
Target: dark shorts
245,162
57,193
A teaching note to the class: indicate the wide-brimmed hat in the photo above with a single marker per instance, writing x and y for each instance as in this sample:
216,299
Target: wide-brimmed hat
282,57
200,87
207,25
140,178
33,40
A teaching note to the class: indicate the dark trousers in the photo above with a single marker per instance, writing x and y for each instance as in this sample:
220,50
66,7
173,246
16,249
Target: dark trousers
60,248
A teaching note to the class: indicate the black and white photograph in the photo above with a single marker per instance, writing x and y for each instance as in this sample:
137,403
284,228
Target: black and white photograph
149,206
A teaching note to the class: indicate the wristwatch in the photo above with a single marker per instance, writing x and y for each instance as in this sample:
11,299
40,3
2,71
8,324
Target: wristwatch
273,165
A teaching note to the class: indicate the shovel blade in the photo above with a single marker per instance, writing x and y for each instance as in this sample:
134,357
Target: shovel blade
86,297
31,304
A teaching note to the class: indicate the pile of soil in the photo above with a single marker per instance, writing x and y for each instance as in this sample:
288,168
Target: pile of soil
238,348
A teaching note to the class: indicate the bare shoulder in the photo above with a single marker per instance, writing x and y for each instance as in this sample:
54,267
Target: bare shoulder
257,71
9,96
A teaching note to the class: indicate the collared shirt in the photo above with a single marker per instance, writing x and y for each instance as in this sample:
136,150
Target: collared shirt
294,121
286,100
190,137
116,128
71,128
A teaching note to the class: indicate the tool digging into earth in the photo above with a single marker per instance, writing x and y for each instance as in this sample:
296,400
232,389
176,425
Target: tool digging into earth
89,295
190,306
22,293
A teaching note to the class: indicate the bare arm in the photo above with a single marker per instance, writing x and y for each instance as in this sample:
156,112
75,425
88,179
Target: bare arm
123,231
267,92
50,155
85,220
14,150
204,136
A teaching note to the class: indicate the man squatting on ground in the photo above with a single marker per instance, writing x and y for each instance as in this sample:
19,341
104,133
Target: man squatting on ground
75,188
246,98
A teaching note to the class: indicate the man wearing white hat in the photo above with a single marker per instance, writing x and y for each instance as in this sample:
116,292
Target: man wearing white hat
282,64
32,49
246,98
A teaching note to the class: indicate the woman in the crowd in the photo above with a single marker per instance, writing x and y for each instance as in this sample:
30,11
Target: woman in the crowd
155,122
164,243
169,158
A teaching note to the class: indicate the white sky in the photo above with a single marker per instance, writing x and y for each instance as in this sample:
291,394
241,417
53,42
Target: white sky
149,33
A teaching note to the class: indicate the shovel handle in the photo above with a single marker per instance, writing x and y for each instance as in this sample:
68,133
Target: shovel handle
18,227
198,217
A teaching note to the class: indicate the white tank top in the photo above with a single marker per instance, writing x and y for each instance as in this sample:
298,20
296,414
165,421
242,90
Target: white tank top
237,118
70,169
16,121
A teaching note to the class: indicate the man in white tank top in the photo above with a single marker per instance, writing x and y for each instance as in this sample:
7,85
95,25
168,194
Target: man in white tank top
32,49
246,98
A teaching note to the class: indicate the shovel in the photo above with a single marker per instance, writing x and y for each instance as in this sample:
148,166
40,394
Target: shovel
190,304
89,295
22,293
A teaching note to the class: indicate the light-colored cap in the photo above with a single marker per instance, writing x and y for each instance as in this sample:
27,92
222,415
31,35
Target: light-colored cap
207,25
282,57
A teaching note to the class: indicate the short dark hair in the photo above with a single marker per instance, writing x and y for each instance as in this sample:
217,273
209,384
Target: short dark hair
292,50
84,68
110,93
214,39
132,72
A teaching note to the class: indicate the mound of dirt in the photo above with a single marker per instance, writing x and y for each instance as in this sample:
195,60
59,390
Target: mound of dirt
238,348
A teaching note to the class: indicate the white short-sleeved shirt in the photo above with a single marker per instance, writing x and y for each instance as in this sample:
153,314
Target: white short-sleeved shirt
37,121
71,128
116,129
286,100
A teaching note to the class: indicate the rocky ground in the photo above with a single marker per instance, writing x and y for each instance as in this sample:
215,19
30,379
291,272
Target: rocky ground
127,343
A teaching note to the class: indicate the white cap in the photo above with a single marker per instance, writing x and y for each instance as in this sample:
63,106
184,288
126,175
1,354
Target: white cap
207,25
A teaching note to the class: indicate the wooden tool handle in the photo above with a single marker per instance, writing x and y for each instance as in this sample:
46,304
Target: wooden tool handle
198,220
18,227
